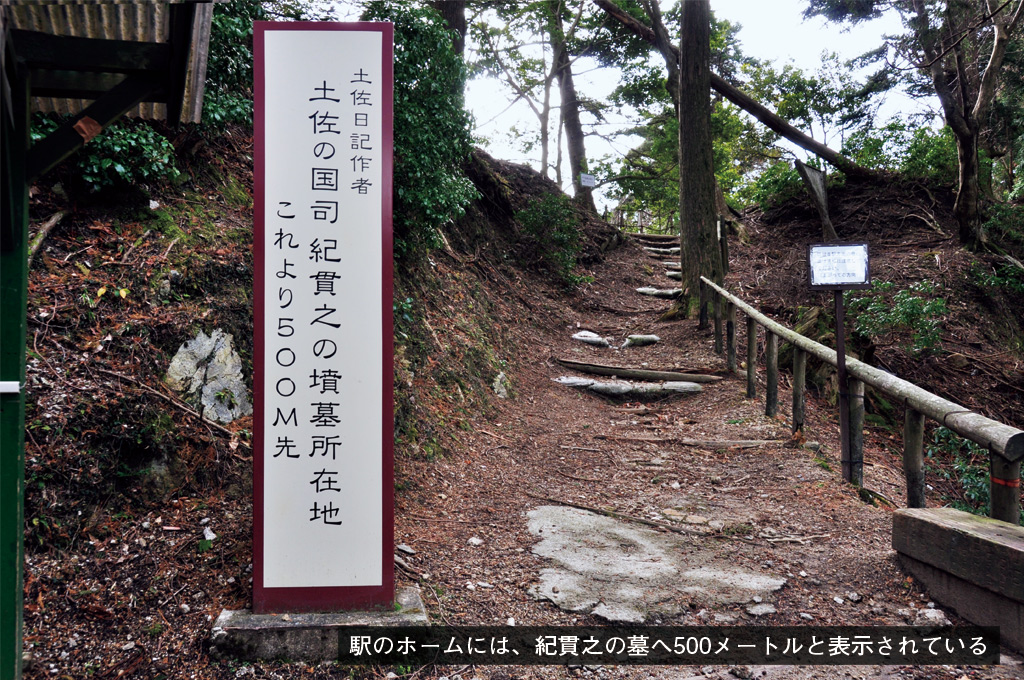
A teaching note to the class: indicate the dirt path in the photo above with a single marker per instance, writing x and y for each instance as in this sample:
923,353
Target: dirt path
777,510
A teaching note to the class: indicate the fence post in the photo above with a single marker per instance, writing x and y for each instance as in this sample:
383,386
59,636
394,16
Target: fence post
702,305
718,324
751,357
913,457
771,394
799,388
730,337
857,431
1004,488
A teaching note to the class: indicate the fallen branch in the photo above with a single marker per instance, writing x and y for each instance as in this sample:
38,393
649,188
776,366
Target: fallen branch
581,479
802,540
181,405
699,443
635,373
44,230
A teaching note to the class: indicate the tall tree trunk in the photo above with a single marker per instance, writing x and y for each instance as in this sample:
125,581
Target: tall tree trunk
454,14
574,136
967,208
701,254
729,91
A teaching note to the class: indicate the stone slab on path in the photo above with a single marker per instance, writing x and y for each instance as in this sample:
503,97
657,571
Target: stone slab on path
663,293
626,573
631,390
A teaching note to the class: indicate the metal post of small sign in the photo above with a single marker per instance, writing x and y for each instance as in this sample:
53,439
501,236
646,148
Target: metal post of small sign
323,460
839,267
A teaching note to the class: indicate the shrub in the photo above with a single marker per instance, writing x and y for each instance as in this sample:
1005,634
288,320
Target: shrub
431,129
552,224
777,184
127,152
229,85
965,463
879,314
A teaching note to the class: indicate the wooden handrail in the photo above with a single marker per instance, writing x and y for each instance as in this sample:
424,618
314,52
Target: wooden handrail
1006,442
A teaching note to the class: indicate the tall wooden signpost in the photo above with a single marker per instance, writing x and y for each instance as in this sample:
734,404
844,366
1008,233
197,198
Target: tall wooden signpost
323,469
839,267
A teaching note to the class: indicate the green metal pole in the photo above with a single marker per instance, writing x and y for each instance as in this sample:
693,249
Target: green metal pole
13,327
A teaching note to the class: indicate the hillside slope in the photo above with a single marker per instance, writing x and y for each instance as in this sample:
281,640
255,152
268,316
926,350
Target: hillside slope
125,480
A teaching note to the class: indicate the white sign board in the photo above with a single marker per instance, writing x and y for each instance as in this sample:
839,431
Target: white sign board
839,265
587,180
323,479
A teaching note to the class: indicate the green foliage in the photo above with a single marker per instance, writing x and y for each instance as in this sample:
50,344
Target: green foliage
431,129
553,225
404,318
229,83
1005,227
915,152
879,314
128,152
962,461
776,184
932,154
1004,276
229,86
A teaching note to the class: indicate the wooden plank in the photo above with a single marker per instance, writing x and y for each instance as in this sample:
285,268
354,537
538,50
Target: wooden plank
42,50
718,324
65,140
730,337
635,373
984,551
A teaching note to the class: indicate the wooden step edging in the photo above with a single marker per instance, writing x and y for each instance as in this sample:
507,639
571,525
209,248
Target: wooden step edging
974,565
1005,443
634,373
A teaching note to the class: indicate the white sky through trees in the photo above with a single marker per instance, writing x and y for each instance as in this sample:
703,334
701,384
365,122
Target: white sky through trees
772,30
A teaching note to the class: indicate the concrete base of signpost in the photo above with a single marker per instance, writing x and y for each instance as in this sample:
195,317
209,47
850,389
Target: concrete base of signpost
240,634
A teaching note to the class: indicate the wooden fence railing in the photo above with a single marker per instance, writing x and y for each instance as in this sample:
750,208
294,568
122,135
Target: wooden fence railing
1005,444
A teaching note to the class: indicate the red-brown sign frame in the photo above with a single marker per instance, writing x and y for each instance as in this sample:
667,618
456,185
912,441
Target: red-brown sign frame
330,598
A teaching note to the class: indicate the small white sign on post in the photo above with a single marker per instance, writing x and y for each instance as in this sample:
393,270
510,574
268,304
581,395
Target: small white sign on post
839,265
323,460
587,180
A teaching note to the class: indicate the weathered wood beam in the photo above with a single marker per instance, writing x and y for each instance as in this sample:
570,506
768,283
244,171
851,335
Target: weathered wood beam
751,357
857,431
999,437
67,139
771,390
635,373
62,52
913,457
799,389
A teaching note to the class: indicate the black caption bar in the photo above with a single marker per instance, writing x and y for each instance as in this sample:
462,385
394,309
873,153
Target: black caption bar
690,645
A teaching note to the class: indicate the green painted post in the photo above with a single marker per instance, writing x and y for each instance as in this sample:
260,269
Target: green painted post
13,295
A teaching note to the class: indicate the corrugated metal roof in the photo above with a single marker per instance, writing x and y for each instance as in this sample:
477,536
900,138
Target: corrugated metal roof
134,20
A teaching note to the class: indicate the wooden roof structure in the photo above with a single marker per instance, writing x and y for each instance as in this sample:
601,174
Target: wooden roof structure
139,31
96,60
93,60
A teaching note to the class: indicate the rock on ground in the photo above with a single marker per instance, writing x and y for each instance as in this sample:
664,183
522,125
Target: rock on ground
627,573
208,370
